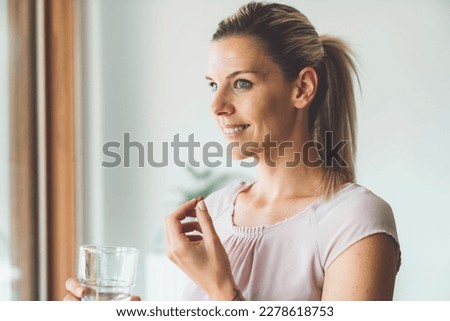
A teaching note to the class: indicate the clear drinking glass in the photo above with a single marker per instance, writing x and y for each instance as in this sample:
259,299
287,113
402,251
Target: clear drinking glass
107,272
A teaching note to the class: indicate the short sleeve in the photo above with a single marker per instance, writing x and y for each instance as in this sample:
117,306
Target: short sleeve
347,220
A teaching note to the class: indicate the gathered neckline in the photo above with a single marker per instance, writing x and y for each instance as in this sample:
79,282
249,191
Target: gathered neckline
253,231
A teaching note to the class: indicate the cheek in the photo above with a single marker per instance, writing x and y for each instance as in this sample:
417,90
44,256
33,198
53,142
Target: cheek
256,110
278,121
265,109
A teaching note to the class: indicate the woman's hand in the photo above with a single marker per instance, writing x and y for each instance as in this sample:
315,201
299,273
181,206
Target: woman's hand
76,291
201,257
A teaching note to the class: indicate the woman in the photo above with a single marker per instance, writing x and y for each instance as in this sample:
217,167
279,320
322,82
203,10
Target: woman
304,230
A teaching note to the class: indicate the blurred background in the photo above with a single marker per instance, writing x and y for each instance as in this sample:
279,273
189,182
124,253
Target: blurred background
77,74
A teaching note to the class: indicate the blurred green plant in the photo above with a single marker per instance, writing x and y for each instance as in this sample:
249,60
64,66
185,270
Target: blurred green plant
205,182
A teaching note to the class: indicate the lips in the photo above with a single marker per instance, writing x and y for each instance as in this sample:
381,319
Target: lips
232,130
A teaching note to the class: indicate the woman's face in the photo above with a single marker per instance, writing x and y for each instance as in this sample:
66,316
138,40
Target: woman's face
250,96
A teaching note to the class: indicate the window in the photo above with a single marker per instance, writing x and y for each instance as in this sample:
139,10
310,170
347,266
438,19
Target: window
37,146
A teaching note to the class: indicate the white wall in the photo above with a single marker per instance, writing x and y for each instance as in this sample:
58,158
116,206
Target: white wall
151,64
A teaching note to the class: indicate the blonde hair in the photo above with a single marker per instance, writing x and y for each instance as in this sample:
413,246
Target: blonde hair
289,38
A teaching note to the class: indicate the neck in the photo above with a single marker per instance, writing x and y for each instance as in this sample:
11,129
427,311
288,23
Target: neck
285,170
287,176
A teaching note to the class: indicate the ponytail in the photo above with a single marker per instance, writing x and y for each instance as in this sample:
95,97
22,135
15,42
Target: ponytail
333,113
291,40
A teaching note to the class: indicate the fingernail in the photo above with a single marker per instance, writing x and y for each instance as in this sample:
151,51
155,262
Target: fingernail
202,205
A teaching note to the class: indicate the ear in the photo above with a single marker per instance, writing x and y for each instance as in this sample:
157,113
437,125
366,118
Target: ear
305,88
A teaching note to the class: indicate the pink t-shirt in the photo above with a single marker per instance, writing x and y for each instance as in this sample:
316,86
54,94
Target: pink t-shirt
286,261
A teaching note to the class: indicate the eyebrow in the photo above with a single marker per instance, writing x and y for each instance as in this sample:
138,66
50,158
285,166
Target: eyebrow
233,74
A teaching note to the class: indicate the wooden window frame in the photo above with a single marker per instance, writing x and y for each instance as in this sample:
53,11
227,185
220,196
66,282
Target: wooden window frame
59,80
57,261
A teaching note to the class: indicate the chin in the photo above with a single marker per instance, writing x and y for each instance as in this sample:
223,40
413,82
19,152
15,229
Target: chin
240,149
237,155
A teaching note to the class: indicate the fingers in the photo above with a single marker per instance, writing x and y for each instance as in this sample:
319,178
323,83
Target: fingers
190,227
173,225
205,221
71,297
76,290
74,287
174,229
191,230
179,236
186,209
194,237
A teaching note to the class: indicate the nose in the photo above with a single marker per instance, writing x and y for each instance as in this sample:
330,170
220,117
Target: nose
221,104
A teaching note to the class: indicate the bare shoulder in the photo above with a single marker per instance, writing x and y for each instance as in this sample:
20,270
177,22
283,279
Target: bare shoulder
364,271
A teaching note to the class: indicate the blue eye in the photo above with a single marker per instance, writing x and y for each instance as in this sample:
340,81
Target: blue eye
213,86
242,84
